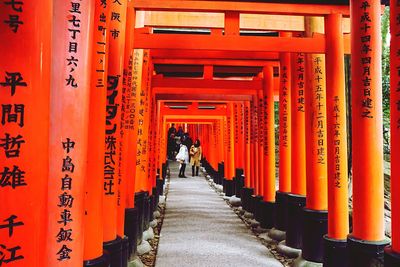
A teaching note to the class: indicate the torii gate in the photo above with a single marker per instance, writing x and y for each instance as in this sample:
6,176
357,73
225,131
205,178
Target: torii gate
53,93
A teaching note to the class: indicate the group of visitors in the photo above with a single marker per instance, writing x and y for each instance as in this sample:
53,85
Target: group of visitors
189,152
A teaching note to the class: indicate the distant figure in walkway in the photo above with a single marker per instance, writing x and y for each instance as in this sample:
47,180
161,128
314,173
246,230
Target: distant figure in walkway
171,148
195,154
180,132
172,130
183,159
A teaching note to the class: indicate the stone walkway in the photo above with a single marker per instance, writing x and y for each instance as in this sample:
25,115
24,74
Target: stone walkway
200,229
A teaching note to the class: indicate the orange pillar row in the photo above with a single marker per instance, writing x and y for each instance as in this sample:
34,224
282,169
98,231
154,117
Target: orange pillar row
367,141
315,212
392,254
114,201
24,133
297,196
338,215
285,139
68,141
241,159
93,220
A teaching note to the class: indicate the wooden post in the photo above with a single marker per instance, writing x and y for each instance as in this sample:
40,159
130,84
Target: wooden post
25,50
367,141
285,139
297,196
315,213
338,216
69,117
392,254
93,220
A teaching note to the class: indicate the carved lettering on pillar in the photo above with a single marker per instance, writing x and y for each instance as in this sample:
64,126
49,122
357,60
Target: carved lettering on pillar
367,102
320,107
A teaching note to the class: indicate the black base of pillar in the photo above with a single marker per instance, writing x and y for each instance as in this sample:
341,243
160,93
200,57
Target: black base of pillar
228,187
147,209
267,210
125,252
364,253
256,207
335,253
392,259
239,182
103,261
315,226
140,205
152,200
114,249
131,228
281,211
160,187
246,195
294,231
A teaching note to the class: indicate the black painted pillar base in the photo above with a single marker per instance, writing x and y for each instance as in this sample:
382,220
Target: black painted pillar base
392,259
335,252
114,249
256,207
364,253
147,209
246,195
156,199
239,182
281,210
125,251
103,261
131,228
228,186
160,187
294,231
139,204
267,210
315,227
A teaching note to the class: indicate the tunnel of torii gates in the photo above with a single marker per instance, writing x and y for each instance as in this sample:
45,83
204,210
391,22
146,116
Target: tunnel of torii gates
89,89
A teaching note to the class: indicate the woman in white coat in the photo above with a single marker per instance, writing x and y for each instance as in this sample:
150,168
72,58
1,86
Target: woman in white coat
183,158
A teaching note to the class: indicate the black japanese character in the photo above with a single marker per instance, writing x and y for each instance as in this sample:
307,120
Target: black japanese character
12,80
11,224
13,22
13,178
8,116
13,254
63,253
64,235
15,5
68,165
71,81
11,145
65,217
66,200
68,145
66,183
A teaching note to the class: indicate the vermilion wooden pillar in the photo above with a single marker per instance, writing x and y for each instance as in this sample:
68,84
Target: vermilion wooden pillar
315,212
68,142
297,197
114,205
247,140
285,139
252,147
267,204
25,51
260,135
367,142
392,254
93,219
338,217
230,151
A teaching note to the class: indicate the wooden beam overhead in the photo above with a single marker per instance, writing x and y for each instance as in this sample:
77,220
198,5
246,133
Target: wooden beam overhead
202,97
230,43
197,54
261,22
217,62
185,85
242,7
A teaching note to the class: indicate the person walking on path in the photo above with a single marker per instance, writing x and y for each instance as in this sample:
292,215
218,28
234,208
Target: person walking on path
195,154
183,158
